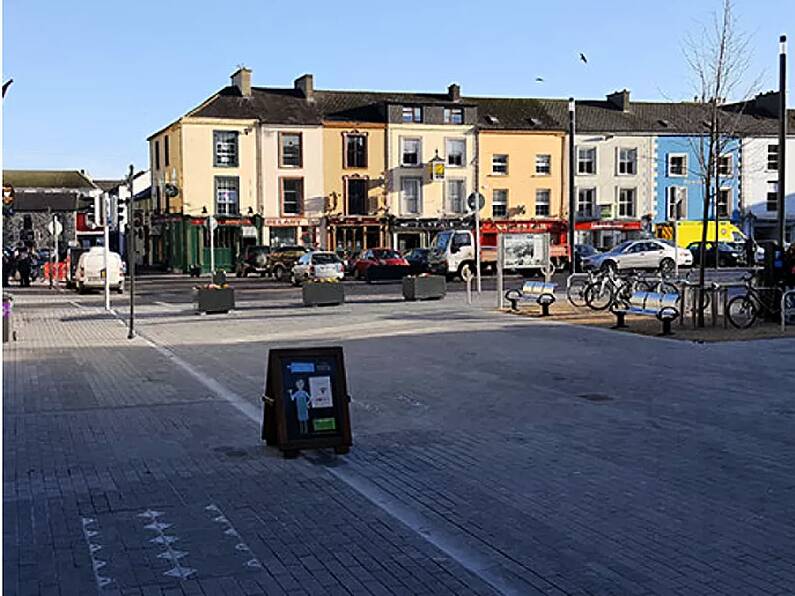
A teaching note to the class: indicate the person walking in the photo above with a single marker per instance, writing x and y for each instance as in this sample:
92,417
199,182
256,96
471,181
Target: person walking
24,266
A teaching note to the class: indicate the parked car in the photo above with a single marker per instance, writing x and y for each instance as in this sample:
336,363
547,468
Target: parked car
90,273
282,259
581,252
318,265
418,260
253,260
350,261
728,255
640,254
379,257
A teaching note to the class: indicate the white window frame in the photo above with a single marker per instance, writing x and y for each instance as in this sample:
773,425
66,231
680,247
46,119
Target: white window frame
448,204
494,157
447,115
730,193
493,202
619,204
730,157
447,144
226,149
415,111
769,153
668,165
226,186
592,213
669,204
590,148
548,192
548,166
403,203
772,189
620,161
403,141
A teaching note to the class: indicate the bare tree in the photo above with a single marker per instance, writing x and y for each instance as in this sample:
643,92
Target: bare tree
718,57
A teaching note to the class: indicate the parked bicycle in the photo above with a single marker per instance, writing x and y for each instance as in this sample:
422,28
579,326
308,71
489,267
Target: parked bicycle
743,310
609,288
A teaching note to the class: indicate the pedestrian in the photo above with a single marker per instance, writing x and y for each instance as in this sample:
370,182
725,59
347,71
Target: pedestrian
750,252
24,266
8,266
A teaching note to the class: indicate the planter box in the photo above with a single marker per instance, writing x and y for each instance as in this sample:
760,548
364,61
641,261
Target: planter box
323,293
428,287
210,301
8,331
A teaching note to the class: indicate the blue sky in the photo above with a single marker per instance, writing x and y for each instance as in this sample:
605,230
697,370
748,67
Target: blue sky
92,79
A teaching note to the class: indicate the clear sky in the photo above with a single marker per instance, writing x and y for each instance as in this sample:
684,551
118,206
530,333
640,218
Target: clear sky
93,78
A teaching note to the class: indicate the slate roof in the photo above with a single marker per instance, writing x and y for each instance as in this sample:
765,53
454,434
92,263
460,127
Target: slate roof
107,185
47,179
41,201
511,113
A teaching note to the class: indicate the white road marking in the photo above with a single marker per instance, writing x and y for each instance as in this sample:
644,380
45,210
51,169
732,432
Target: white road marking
232,531
180,571
94,546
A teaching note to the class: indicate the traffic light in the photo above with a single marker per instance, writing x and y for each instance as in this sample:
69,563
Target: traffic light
8,199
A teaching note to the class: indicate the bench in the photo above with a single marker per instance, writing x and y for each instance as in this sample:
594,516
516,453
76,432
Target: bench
665,307
541,292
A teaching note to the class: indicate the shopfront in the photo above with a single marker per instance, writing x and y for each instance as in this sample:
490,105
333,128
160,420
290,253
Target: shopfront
605,234
285,231
351,234
419,233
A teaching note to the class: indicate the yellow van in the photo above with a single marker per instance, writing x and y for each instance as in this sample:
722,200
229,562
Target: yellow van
690,231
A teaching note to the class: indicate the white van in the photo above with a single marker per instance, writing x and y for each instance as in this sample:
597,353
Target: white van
90,273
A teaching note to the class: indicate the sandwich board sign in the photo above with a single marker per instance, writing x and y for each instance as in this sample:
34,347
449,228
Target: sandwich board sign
306,400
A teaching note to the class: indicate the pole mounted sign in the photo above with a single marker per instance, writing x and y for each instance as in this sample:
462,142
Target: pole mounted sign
55,227
476,198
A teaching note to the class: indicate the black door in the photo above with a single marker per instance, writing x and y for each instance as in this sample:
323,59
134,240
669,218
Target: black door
357,196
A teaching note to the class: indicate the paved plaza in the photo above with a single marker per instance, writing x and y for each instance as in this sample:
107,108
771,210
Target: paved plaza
492,453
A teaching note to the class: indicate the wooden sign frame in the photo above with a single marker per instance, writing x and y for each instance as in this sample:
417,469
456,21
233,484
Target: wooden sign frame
276,429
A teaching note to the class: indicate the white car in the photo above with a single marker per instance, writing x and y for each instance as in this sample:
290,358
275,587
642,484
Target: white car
318,265
640,254
90,271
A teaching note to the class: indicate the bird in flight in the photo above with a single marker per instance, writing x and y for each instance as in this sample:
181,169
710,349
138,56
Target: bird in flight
539,80
583,58
6,85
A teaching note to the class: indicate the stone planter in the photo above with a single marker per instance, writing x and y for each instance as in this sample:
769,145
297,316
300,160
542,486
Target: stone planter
323,293
214,300
424,287
8,331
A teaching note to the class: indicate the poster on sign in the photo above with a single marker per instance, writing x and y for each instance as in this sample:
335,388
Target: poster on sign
525,250
306,400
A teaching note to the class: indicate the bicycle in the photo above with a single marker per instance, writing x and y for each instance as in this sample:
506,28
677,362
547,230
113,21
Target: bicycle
576,290
609,289
743,310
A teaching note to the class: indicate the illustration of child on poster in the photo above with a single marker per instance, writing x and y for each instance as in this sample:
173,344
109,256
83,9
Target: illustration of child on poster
302,405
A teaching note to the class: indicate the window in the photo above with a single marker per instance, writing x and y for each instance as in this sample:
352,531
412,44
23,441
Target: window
544,164
455,196
292,196
677,164
586,160
165,149
586,199
627,161
456,152
225,148
724,202
626,202
772,196
355,151
772,158
499,164
542,202
499,203
226,195
357,196
412,114
410,195
290,150
674,195
460,240
453,116
157,155
725,165
410,152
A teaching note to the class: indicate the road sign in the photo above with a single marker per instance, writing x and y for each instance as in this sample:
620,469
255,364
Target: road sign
476,196
55,227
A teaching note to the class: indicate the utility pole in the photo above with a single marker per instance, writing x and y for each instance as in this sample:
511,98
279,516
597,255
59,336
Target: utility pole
51,217
782,139
131,249
572,190
106,242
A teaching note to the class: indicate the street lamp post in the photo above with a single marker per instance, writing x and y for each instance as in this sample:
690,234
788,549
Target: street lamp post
782,139
572,192
131,249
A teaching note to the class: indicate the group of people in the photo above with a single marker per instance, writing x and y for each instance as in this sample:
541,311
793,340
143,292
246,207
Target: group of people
18,260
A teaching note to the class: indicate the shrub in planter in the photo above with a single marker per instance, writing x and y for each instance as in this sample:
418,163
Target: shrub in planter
213,298
316,293
424,287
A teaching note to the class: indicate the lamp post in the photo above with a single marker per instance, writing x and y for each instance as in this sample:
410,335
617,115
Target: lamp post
211,225
782,139
572,195
106,243
131,248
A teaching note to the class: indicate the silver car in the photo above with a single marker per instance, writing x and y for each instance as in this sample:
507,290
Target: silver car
650,253
318,265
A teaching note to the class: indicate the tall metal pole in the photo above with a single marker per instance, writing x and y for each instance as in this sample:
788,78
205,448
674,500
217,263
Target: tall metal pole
55,224
211,225
131,249
51,217
677,201
782,138
106,250
477,239
572,189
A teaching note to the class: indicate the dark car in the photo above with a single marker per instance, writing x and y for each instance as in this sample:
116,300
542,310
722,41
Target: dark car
728,255
253,260
282,259
581,252
418,260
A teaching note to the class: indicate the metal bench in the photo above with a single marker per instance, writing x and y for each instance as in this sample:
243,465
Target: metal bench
665,307
541,292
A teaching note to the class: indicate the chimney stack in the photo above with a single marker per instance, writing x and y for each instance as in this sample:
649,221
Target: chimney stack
454,92
241,79
768,103
619,99
306,85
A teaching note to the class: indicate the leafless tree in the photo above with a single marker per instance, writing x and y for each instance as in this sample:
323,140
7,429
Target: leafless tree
718,56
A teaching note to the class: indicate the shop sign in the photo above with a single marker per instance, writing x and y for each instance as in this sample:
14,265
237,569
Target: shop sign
427,224
306,400
289,221
248,232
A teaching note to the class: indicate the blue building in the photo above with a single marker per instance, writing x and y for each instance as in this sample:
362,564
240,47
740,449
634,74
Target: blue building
679,173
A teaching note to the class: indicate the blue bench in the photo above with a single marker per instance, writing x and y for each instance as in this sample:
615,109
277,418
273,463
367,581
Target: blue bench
664,307
540,292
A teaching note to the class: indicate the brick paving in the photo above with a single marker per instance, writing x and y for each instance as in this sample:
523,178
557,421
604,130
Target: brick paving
540,458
